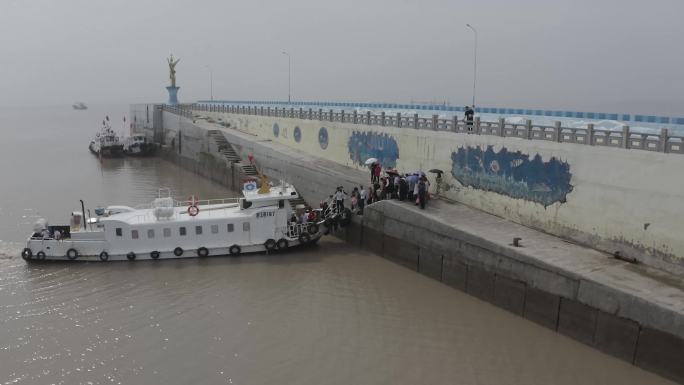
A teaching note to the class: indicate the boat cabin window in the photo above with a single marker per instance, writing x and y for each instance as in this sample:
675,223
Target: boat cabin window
246,204
150,233
198,230
281,203
134,234
245,226
231,228
167,232
214,229
181,231
119,232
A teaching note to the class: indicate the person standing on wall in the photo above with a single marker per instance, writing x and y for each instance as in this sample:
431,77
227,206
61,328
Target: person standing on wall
339,198
362,199
469,115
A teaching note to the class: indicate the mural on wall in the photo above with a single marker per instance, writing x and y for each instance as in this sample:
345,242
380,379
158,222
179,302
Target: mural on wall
323,137
297,134
364,145
513,174
276,130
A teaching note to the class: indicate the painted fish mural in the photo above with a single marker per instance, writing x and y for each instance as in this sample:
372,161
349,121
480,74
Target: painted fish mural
513,174
364,145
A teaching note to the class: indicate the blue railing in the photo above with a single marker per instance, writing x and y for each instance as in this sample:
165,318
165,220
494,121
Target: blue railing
485,110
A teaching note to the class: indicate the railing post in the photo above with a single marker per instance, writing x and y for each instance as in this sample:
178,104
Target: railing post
557,131
382,118
368,118
320,114
502,127
342,116
310,113
664,137
330,115
292,112
301,112
268,111
478,127
356,117
455,123
398,119
590,133
435,122
528,129
625,137
415,121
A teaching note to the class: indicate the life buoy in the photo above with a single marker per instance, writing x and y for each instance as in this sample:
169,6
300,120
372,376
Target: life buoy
177,251
40,255
312,229
193,210
202,252
234,250
345,217
72,254
270,244
26,254
130,256
282,244
304,238
104,256
154,254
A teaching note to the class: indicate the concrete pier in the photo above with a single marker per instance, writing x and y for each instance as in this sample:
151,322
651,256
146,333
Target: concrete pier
632,312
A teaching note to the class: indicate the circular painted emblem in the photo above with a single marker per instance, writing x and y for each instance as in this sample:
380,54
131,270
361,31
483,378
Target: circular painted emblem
297,134
323,137
276,130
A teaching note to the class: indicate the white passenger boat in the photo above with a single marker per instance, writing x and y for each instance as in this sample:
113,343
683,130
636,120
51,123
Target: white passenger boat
259,221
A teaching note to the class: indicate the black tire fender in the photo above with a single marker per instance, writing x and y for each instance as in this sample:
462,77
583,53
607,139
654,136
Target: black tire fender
202,252
154,255
130,256
26,254
283,244
177,251
40,255
304,238
234,250
72,254
270,244
312,229
104,256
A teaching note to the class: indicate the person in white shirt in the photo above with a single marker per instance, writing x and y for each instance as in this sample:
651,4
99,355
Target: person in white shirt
362,199
339,198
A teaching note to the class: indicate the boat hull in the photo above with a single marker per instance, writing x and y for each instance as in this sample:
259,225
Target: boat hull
145,149
114,151
90,251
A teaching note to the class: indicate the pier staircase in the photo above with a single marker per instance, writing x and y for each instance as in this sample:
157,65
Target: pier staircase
246,170
224,147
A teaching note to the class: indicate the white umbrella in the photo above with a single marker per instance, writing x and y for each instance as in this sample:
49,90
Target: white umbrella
370,161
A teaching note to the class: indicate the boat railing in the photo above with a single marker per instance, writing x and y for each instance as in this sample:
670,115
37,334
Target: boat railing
189,202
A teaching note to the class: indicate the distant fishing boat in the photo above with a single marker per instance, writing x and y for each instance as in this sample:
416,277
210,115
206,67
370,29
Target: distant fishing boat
79,106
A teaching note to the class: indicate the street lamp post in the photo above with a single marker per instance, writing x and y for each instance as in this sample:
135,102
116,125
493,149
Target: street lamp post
475,63
211,83
289,76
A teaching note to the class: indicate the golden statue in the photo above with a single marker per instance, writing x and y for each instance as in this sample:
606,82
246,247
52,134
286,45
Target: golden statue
172,69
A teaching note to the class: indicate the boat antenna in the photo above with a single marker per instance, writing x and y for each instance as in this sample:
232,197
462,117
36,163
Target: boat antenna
84,214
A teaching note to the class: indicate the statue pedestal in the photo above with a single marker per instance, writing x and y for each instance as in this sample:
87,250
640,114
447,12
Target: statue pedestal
173,95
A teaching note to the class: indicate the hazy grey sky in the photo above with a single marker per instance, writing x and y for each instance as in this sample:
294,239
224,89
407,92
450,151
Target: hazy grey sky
602,55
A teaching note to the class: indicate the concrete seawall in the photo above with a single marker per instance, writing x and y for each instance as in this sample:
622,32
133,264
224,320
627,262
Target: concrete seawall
607,198
631,312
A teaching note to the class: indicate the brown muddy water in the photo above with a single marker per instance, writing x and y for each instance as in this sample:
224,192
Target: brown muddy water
329,314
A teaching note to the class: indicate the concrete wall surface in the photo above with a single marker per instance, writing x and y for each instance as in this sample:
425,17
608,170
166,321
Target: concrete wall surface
630,311
607,198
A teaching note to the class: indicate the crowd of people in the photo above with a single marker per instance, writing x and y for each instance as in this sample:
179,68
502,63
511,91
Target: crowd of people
387,184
